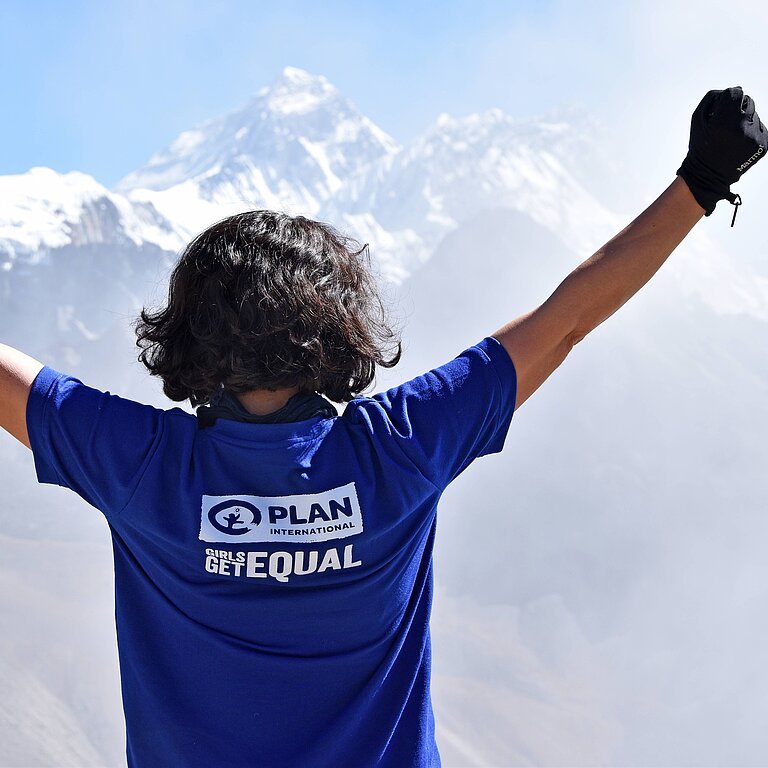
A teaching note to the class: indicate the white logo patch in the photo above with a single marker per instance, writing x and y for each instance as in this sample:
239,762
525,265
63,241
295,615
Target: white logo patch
306,517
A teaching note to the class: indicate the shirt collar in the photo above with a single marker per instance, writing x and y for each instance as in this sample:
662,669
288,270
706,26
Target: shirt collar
300,407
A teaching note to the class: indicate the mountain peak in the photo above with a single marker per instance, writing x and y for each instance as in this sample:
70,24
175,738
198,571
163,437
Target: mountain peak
296,92
292,147
298,76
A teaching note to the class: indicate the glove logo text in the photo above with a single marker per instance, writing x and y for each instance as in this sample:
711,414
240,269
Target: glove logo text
752,159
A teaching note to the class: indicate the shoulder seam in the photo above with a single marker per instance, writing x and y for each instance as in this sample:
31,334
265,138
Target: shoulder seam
149,461
401,450
499,385
499,382
46,415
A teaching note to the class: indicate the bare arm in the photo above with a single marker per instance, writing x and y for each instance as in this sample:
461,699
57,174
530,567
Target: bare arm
540,340
17,372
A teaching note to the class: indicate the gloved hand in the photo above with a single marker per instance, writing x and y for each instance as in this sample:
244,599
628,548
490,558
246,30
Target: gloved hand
727,139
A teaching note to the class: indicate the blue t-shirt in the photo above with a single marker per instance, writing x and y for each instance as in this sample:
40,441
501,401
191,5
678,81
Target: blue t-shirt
273,582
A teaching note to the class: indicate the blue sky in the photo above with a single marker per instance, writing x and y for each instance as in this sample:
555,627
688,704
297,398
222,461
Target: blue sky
100,86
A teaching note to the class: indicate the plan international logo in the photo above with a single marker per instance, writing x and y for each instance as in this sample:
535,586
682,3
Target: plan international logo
310,517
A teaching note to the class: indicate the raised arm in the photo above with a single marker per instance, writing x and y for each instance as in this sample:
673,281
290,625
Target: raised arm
17,372
540,340
727,137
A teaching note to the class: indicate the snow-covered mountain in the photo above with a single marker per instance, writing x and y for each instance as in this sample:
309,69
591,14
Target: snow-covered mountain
300,146
293,147
42,210
461,166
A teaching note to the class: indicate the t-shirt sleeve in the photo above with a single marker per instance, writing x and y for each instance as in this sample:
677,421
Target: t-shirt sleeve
93,442
455,413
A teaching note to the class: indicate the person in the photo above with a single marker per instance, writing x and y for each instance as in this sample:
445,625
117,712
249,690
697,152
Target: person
273,558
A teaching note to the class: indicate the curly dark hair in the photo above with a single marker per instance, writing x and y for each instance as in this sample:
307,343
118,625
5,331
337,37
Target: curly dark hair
264,300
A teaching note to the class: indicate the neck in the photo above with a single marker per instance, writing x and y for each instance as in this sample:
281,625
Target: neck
261,402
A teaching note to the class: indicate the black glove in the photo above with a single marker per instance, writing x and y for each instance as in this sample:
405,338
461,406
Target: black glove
727,139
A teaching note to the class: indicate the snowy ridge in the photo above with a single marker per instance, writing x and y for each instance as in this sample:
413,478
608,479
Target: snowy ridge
299,146
43,210
461,166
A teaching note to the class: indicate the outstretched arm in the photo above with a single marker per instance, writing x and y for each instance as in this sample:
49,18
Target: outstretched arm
727,138
540,340
17,372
